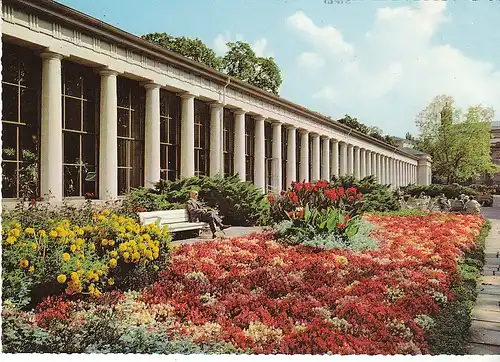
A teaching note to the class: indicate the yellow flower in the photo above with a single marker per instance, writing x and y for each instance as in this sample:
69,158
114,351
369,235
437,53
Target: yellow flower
15,232
97,293
42,233
91,289
156,267
24,263
59,229
66,256
72,248
11,240
34,246
74,276
53,234
126,255
31,269
113,254
112,263
136,255
104,242
92,246
29,231
101,218
111,281
61,278
106,212
111,242
80,241
149,254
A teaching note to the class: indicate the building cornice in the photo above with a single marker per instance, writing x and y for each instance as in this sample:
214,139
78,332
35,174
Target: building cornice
81,21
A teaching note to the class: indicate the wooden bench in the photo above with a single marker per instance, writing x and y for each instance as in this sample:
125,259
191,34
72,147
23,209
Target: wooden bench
176,220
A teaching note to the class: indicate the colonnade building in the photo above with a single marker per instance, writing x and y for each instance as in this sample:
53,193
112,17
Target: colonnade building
89,108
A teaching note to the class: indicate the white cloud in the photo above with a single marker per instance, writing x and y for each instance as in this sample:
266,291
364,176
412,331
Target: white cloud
326,38
259,46
395,70
311,61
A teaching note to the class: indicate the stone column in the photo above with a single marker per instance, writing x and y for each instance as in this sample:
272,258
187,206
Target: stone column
343,159
291,162
315,157
152,134
350,160
276,180
362,162
187,136
368,163
51,137
374,165
326,159
239,144
216,110
379,168
304,156
334,161
357,163
391,172
108,137
386,170
260,155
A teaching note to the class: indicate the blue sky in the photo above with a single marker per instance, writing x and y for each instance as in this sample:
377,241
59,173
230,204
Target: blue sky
379,61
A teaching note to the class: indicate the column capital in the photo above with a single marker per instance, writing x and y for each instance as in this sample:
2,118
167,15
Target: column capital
187,95
334,140
216,105
239,112
151,85
276,123
290,127
303,131
325,138
108,72
51,55
259,118
356,147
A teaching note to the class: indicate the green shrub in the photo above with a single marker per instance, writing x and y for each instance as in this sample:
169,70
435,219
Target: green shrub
405,212
239,203
450,191
376,197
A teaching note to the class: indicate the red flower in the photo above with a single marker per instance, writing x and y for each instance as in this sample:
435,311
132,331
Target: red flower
341,191
359,196
270,197
33,201
351,190
340,226
300,213
347,218
282,193
291,214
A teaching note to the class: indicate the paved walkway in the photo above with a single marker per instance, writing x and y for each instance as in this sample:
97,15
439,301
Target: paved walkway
485,328
232,232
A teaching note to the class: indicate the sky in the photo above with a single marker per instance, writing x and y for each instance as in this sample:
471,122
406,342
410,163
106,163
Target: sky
379,61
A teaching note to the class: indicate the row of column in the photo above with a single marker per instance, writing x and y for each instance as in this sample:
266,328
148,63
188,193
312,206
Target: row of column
338,158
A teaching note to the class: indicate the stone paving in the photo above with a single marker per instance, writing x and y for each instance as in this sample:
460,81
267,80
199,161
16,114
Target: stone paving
485,328
232,232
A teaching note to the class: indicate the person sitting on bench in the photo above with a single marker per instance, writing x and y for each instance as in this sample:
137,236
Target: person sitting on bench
198,211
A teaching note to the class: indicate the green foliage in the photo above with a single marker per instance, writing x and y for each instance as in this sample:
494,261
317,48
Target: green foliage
240,61
450,191
193,49
239,203
374,132
451,331
458,143
376,197
405,212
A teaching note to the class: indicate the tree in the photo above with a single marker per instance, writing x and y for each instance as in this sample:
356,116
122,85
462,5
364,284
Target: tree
240,61
193,49
458,143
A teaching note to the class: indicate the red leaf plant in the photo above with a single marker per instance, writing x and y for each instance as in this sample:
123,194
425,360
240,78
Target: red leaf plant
267,297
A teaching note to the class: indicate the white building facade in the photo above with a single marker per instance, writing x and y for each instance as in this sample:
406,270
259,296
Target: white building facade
91,110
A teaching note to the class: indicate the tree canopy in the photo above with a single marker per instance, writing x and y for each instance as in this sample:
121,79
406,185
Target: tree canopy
458,141
372,131
240,61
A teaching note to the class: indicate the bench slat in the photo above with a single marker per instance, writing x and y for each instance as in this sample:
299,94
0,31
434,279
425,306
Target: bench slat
176,220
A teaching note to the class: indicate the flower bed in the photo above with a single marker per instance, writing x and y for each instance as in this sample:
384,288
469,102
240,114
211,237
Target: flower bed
259,296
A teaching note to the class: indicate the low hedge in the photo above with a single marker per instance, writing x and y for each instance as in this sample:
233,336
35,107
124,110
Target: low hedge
450,191
451,331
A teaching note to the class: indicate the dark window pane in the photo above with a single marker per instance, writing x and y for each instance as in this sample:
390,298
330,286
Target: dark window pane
30,73
172,175
10,65
72,82
164,175
123,123
29,179
172,158
136,178
71,181
137,154
73,114
138,126
9,103
9,180
89,117
163,130
163,157
122,181
9,141
91,86
123,146
89,149
123,93
28,138
29,106
174,131
89,180
71,148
